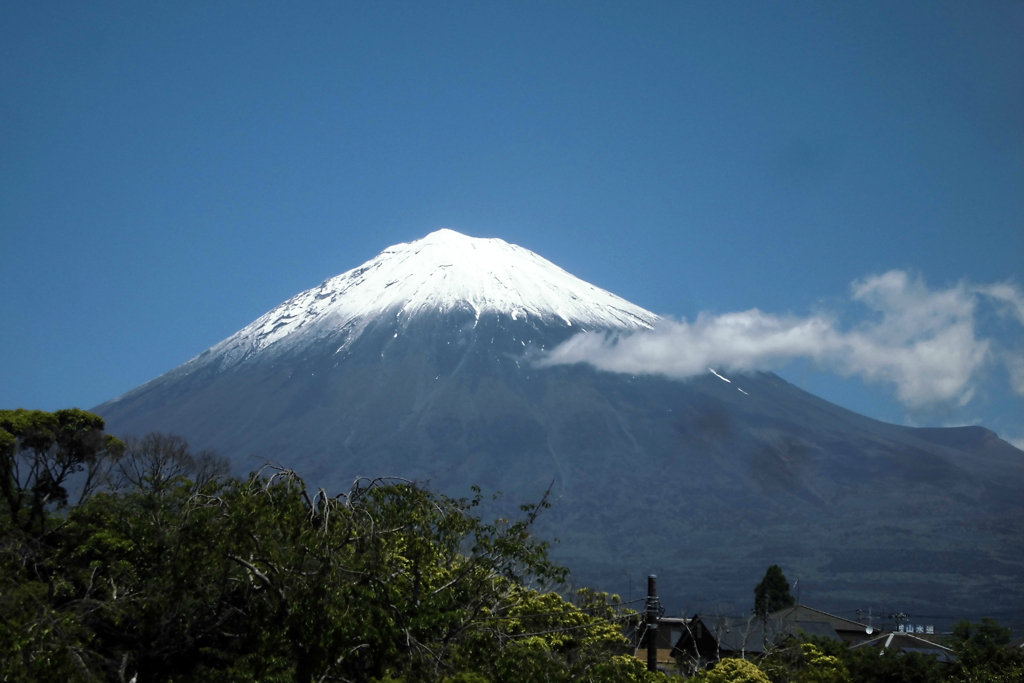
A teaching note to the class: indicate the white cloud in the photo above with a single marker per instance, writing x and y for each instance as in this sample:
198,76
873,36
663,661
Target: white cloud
748,340
1015,364
923,341
1009,296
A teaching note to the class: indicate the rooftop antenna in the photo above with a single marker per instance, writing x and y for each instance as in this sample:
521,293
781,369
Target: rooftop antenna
899,618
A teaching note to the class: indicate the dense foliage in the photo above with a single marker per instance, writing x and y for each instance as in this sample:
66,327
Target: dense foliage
40,452
171,572
160,568
983,659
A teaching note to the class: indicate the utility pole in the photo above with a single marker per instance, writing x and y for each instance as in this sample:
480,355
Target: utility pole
653,613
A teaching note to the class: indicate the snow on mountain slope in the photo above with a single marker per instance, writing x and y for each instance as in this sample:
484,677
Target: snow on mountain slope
441,272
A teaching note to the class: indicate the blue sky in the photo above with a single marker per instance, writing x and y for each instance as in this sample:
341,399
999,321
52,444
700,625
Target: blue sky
169,172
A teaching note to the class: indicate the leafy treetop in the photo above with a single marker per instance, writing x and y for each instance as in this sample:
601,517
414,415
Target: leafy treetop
773,592
173,572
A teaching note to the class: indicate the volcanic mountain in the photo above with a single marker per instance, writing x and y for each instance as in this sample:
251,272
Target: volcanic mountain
421,364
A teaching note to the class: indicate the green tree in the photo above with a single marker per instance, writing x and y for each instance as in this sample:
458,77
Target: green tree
813,658
982,652
773,592
42,455
869,665
40,452
175,574
985,635
820,667
732,671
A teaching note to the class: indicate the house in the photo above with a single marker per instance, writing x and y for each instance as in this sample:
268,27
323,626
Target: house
708,638
670,629
798,617
901,642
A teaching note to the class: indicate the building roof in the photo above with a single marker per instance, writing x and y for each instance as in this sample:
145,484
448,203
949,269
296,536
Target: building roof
812,628
736,634
907,642
803,613
752,634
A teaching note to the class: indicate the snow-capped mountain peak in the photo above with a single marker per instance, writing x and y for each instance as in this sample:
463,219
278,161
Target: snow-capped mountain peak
441,272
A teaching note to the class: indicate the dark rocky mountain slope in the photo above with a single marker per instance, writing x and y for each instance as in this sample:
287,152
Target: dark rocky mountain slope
697,481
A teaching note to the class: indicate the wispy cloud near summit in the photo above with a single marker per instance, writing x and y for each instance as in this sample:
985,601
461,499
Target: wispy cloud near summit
930,343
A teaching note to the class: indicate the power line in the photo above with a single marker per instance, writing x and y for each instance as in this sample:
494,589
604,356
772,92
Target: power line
640,640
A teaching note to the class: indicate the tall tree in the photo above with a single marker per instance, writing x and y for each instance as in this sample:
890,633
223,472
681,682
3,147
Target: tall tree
44,457
983,646
773,592
40,452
